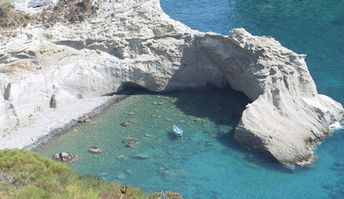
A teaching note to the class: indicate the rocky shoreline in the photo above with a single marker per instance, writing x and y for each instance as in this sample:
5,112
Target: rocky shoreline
57,122
135,44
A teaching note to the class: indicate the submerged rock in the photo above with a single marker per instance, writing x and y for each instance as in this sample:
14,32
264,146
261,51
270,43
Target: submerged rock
141,156
125,123
129,171
167,173
121,176
130,113
64,157
95,149
130,141
121,157
148,135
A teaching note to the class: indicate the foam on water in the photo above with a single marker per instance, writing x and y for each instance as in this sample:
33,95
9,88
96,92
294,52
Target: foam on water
336,126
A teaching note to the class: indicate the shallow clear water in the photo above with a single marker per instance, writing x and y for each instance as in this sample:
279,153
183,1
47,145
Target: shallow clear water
206,162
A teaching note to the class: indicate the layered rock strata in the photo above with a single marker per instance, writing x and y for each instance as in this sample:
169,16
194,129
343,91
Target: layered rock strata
135,43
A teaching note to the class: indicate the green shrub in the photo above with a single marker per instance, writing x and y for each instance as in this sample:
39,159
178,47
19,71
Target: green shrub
39,177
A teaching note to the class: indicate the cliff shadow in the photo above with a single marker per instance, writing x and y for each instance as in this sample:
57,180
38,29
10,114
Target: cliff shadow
253,158
222,106
204,91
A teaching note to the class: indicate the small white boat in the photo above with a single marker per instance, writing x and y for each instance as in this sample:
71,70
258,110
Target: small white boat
177,131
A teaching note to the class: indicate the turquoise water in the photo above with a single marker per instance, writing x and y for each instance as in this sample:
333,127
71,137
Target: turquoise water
312,27
160,161
206,162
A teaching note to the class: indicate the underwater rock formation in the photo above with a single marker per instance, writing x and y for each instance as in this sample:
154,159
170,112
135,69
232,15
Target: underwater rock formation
64,157
134,43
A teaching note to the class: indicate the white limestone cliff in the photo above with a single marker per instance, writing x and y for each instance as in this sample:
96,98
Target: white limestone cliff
135,43
287,116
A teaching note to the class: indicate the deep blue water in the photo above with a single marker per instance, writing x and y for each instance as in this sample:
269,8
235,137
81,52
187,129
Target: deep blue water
206,162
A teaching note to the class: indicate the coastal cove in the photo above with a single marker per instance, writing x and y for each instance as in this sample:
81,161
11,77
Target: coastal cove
223,169
248,106
205,163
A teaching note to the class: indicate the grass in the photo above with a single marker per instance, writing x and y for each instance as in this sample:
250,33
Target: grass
33,177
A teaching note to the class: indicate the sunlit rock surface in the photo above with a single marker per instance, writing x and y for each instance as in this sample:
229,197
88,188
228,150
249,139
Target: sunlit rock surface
32,6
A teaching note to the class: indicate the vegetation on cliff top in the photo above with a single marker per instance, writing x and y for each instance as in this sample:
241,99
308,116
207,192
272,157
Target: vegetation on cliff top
67,11
10,17
25,174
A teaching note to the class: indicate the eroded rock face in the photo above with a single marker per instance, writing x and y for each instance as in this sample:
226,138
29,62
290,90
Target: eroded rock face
135,42
287,116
